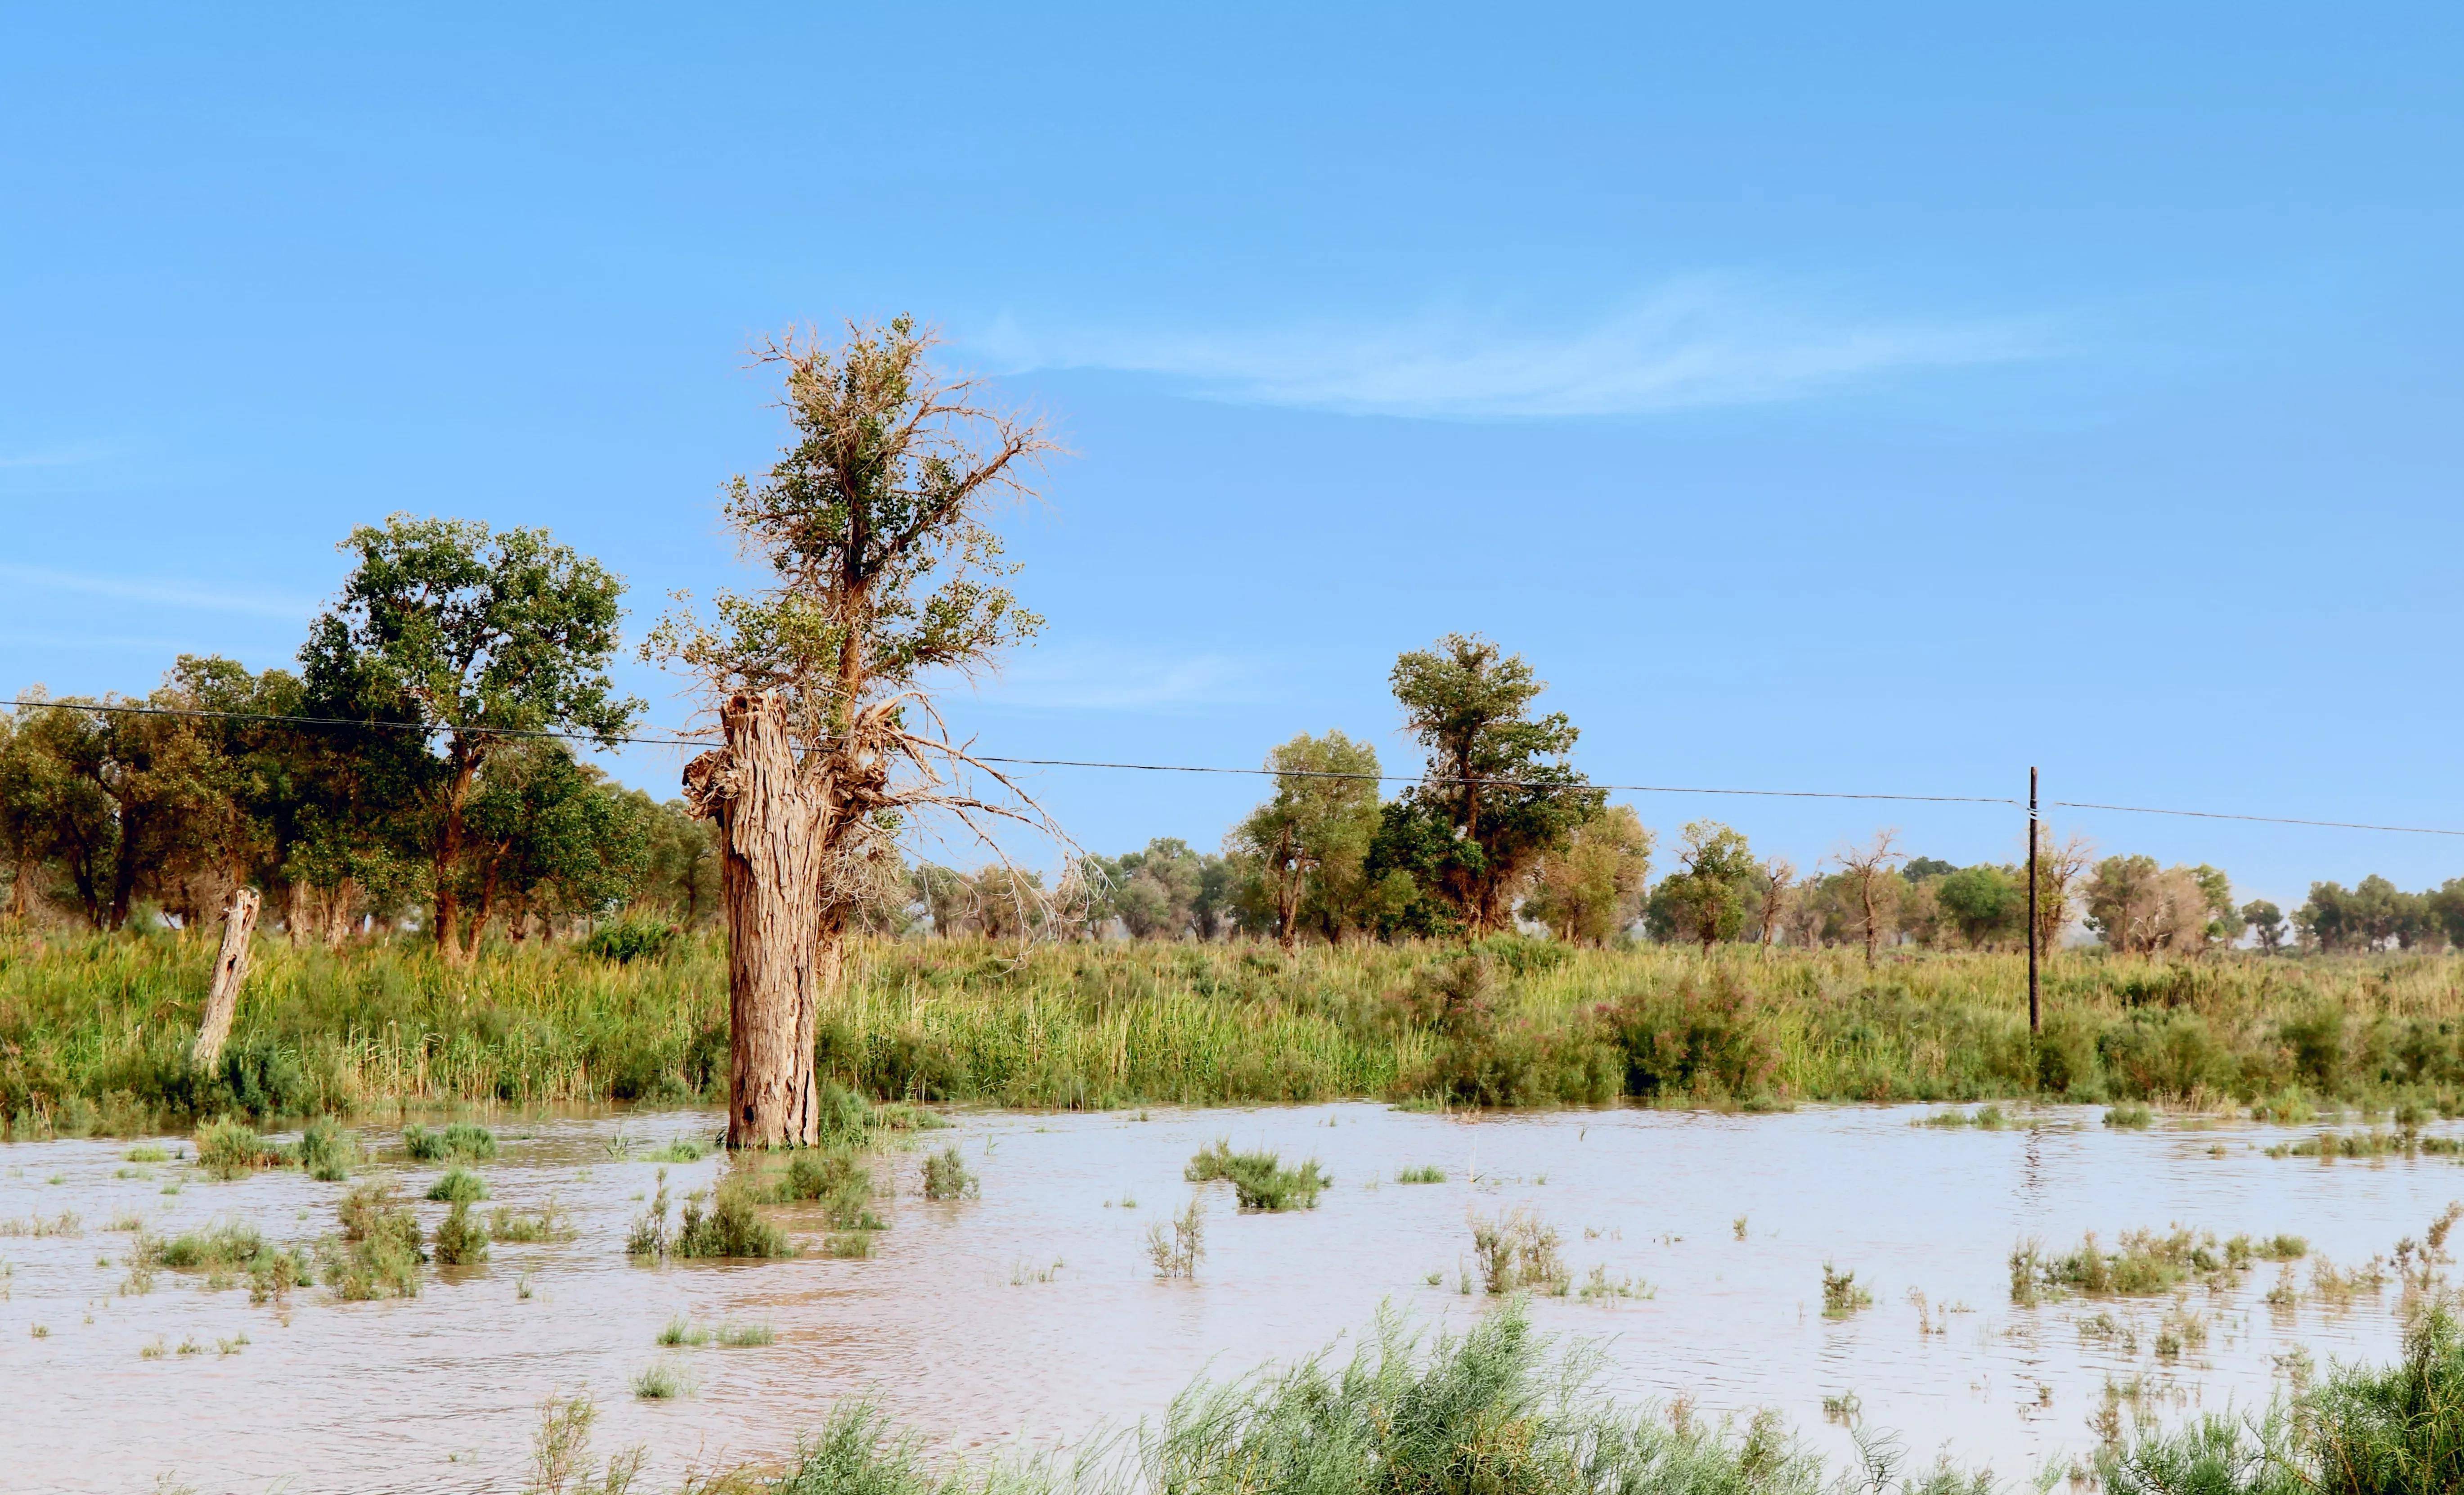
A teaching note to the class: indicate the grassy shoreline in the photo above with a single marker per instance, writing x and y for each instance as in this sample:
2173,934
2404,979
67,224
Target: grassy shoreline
94,1030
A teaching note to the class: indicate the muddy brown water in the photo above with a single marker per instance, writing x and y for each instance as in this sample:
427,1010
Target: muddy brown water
1030,1317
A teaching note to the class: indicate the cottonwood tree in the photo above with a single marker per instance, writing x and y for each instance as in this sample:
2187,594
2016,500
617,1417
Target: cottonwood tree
882,575
1869,868
2268,920
1591,889
1704,899
1307,844
2059,866
483,636
1497,793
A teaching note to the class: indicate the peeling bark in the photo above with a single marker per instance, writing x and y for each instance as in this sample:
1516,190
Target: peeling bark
771,822
230,969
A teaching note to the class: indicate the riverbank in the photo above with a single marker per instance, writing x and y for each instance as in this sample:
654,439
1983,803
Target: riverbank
94,1030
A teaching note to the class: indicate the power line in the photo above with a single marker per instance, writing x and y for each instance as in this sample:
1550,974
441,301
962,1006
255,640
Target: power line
431,728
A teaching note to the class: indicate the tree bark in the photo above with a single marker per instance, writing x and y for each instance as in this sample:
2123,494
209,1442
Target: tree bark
779,961
230,969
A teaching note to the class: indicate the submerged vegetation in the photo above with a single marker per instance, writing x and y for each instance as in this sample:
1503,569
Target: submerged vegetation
94,1030
2147,1263
1259,1179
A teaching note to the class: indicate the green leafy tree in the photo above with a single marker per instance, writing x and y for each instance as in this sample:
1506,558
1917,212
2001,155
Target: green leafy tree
1592,889
1705,900
58,822
1309,843
549,838
1496,795
482,636
1983,906
2267,921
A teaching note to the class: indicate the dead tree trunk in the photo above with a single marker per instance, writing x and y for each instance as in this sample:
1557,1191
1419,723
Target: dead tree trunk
230,969
770,844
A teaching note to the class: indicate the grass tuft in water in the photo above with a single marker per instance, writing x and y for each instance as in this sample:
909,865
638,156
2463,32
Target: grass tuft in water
147,1152
1516,1253
946,1177
326,1152
1840,1294
745,1336
460,1239
459,1185
229,1148
730,1226
380,1253
1259,1179
679,1330
662,1380
548,1222
1429,1174
560,1455
2129,1115
465,1141
1175,1251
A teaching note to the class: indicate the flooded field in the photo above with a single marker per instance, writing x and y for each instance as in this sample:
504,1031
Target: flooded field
1031,1315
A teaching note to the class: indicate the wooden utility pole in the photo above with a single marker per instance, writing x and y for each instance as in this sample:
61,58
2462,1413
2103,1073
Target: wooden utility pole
2032,1023
230,969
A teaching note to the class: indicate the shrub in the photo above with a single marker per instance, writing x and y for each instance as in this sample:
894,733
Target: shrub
1840,1294
1259,1179
731,1226
834,1178
629,940
1176,1253
1517,1253
466,1141
380,1253
326,1151
946,1177
461,1240
459,1186
229,1148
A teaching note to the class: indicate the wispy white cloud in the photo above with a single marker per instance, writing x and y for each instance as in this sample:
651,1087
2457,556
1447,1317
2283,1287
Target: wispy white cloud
64,456
1695,342
160,592
1104,678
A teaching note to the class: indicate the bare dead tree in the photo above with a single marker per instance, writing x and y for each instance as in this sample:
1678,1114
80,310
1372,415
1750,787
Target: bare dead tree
2058,872
1867,864
885,579
1779,879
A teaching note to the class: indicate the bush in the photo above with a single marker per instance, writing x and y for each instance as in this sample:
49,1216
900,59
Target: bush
461,1240
629,940
229,1148
732,1227
379,1255
326,1151
458,1186
834,1178
946,1177
463,1140
1259,1179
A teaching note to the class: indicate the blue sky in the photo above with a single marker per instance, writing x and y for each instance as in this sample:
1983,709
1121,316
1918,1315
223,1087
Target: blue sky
1881,398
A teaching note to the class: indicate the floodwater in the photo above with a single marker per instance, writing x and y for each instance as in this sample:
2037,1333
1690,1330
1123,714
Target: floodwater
1030,1317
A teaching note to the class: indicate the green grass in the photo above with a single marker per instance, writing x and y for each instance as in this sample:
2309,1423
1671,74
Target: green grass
325,1151
2146,1263
381,1246
466,1141
459,1185
680,1330
745,1336
2129,1116
1424,1174
94,1030
548,1222
230,1149
460,1239
662,1380
1259,1179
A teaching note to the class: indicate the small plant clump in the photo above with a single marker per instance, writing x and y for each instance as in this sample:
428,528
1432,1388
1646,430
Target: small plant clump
680,1330
1259,1179
326,1152
1516,1253
1840,1294
2329,1146
230,1149
730,1226
946,1177
380,1250
2147,1264
1177,1251
832,1177
460,1239
561,1461
745,1336
548,1222
459,1185
462,1141
1424,1174
2130,1115
147,1152
662,1380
